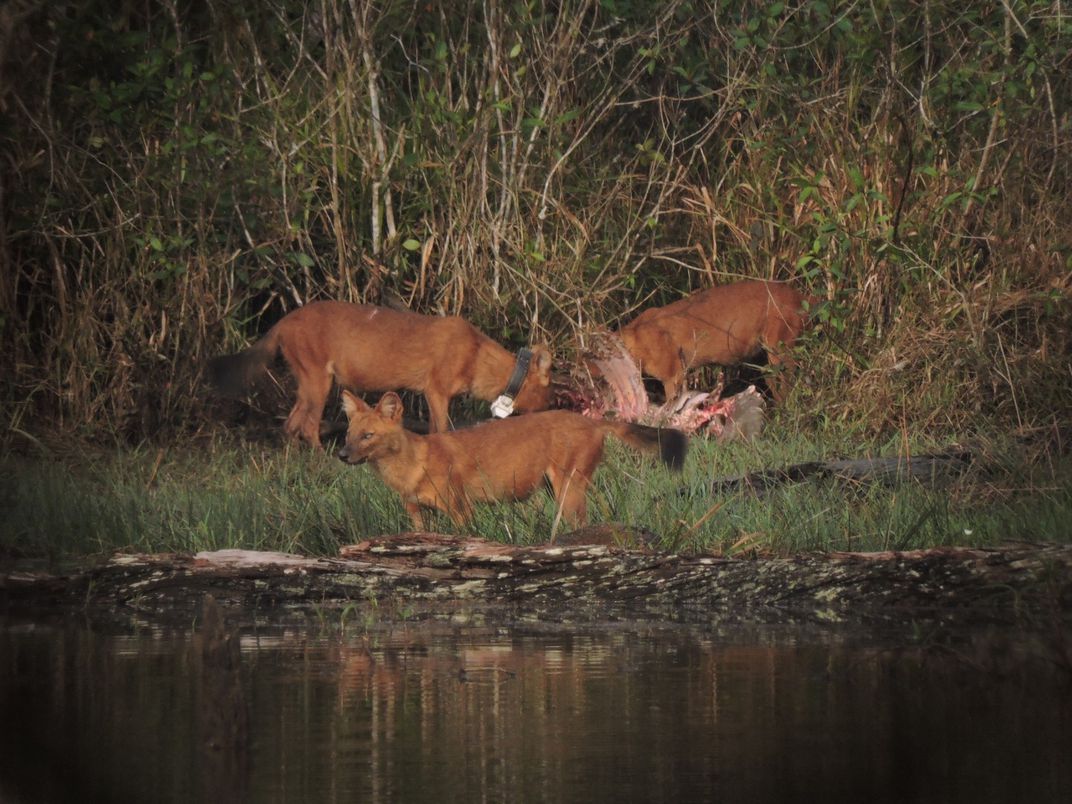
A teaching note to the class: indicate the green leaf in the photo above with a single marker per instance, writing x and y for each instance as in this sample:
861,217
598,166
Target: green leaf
515,51
949,200
411,244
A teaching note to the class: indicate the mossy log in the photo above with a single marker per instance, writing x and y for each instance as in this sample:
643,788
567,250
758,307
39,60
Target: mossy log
423,574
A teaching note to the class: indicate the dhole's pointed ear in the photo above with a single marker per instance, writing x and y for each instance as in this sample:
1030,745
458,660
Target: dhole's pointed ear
353,405
541,362
390,406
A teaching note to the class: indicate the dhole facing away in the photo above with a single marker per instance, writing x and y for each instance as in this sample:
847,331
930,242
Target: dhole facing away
724,325
368,348
498,460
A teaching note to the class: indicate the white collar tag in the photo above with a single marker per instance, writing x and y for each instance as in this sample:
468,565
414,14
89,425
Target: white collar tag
502,407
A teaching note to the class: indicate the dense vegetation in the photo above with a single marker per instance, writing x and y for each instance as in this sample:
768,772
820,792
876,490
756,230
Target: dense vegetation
178,173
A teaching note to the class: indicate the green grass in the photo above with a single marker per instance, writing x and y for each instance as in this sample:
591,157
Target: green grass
230,494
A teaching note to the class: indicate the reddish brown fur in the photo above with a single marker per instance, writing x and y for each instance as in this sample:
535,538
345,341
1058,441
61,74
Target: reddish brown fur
498,460
726,325
369,348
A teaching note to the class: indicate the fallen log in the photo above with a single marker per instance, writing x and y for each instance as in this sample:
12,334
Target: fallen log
423,574
929,469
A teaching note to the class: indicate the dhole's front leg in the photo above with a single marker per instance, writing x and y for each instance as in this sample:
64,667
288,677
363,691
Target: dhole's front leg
672,375
418,516
659,357
779,377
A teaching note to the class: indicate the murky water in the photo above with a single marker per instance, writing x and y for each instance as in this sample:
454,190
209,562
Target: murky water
433,713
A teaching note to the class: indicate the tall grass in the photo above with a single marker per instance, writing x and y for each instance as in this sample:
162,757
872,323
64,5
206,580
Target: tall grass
157,500
222,494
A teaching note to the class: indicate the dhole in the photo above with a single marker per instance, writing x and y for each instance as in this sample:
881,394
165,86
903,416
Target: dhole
725,325
369,348
498,460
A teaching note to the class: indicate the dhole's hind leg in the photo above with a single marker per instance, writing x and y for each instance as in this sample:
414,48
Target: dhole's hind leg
416,516
304,419
571,487
570,497
438,412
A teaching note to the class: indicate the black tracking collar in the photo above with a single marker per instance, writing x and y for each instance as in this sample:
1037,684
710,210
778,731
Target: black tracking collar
521,369
504,405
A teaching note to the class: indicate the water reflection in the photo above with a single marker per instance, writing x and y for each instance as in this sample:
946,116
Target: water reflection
433,713
222,708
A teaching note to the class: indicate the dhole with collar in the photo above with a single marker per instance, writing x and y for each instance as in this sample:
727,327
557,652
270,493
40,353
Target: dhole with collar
368,348
496,460
728,324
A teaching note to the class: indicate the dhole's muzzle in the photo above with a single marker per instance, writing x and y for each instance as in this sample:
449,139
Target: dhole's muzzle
346,455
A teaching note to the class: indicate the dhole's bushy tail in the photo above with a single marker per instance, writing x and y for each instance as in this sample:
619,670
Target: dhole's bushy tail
234,374
671,444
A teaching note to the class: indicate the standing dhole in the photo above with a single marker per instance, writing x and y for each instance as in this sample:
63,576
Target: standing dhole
368,348
498,460
725,325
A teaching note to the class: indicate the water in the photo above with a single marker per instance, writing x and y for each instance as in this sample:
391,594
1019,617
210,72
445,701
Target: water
427,712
